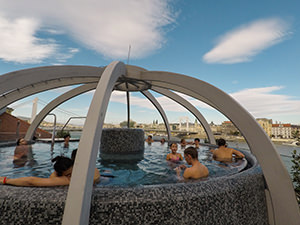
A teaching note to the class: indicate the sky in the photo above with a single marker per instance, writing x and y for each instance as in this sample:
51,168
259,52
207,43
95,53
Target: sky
248,49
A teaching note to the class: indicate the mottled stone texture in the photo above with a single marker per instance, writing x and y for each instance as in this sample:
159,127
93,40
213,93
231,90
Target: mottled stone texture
237,199
122,141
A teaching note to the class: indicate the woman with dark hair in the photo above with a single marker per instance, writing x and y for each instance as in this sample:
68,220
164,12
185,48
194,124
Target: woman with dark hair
63,167
73,156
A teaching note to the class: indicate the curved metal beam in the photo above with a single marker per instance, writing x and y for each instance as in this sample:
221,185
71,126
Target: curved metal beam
78,201
189,107
280,187
53,104
151,98
22,78
43,86
284,203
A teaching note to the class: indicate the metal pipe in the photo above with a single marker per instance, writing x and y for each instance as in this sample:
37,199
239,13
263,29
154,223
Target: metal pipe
72,117
54,128
128,110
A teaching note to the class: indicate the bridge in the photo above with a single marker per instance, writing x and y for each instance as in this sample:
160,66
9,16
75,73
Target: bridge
151,130
178,132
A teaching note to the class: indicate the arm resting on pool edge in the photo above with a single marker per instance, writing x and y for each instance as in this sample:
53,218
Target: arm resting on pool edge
238,154
96,176
37,181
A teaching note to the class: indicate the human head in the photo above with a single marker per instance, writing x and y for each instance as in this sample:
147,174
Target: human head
67,136
173,147
162,140
21,141
192,152
62,165
221,142
197,140
149,136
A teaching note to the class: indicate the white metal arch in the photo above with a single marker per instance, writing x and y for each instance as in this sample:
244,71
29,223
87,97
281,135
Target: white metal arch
285,207
22,78
43,86
151,98
53,104
282,195
79,90
80,190
190,108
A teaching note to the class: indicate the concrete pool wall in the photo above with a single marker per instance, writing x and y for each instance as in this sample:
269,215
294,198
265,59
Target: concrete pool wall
236,199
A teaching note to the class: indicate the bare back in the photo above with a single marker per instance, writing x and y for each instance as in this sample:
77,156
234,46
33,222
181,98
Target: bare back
196,171
226,154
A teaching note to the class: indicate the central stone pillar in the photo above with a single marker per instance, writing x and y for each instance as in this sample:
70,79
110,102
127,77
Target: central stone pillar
122,144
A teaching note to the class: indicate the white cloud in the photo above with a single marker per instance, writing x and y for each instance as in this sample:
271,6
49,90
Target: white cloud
107,27
241,44
260,102
165,102
69,53
19,44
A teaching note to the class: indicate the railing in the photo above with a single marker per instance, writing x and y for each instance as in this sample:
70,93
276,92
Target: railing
53,131
73,117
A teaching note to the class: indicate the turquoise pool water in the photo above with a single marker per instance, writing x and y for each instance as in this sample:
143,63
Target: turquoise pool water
153,169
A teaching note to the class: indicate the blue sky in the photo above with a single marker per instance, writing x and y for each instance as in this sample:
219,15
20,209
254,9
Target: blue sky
249,49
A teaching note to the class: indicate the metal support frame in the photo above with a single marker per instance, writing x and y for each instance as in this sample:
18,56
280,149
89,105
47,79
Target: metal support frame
53,104
281,196
285,206
128,109
79,195
151,98
70,118
54,128
13,96
17,80
190,108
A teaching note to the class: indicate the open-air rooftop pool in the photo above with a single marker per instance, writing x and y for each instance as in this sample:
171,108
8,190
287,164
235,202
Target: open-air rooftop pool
125,200
153,169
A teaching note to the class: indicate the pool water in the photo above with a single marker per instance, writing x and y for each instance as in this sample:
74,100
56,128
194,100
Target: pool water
153,169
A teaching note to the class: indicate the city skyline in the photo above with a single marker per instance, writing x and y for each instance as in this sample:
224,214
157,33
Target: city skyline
249,50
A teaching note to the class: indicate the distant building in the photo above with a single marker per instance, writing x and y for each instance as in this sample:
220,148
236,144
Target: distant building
266,124
12,128
282,130
228,128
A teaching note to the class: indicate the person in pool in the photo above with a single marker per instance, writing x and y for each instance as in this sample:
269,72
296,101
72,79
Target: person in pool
63,168
224,154
66,140
162,141
184,143
197,170
174,156
149,140
196,142
73,156
22,153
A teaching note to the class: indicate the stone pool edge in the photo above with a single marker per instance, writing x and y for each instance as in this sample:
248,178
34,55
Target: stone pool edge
234,199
